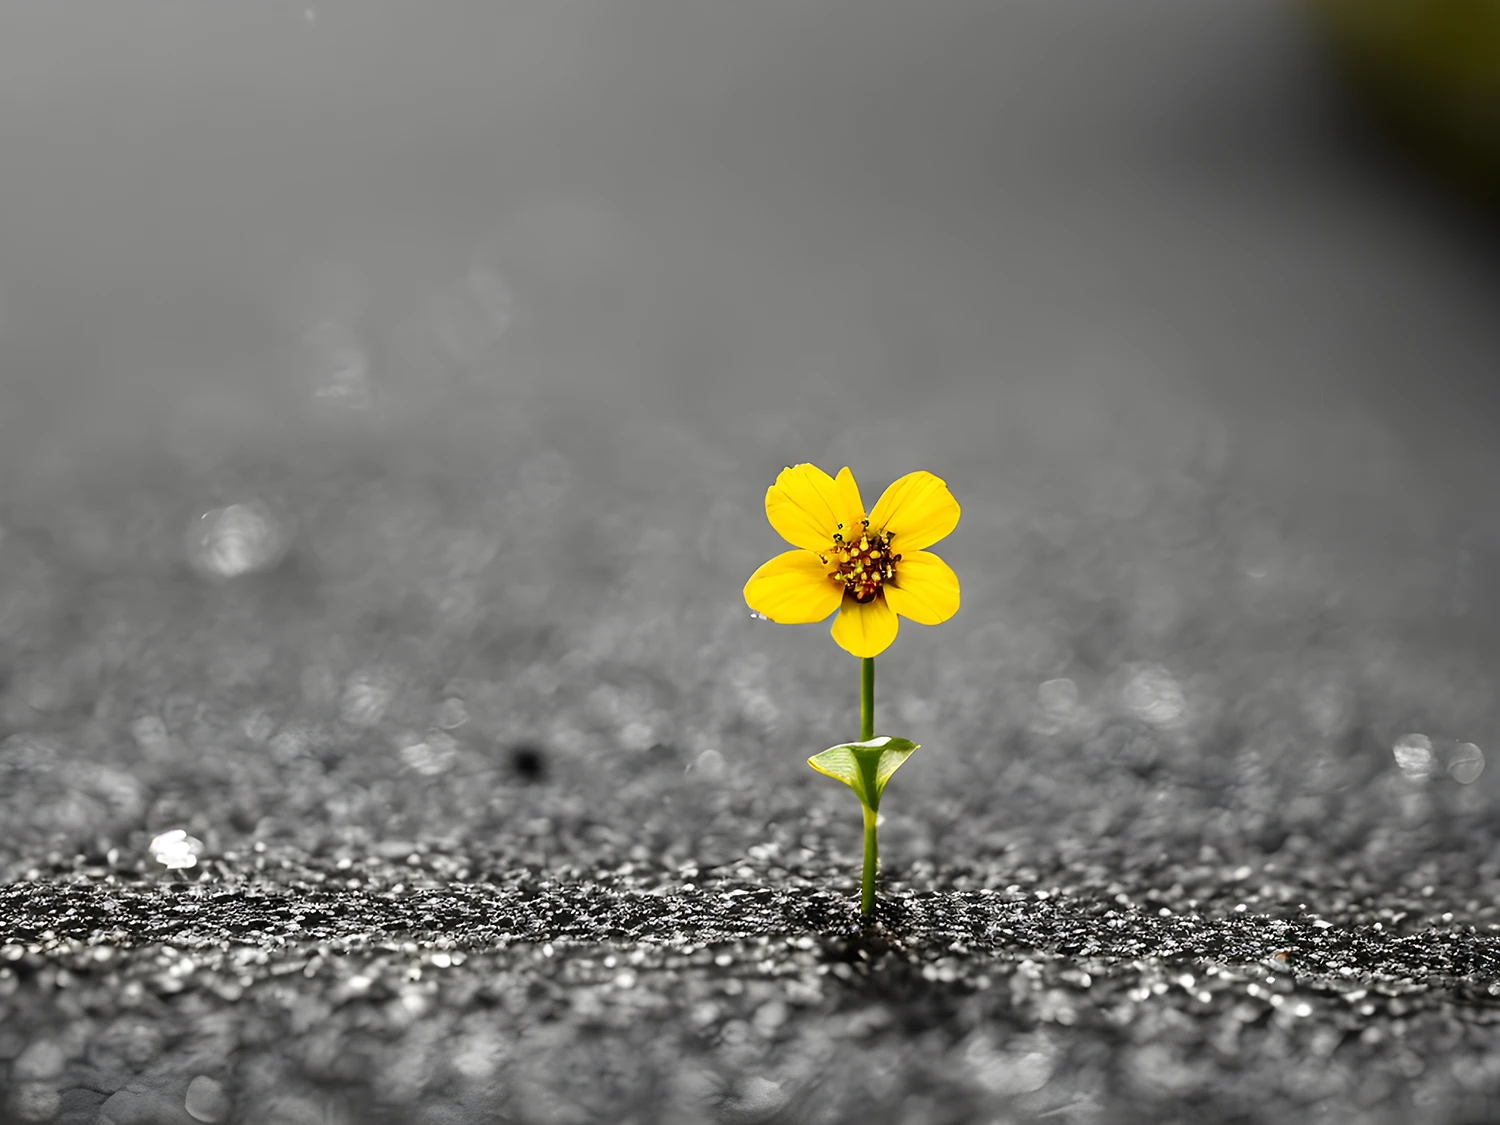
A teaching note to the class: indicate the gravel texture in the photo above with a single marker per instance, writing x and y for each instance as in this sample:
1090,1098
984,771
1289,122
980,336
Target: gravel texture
456,986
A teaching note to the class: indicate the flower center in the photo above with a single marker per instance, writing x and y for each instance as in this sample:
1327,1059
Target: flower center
863,562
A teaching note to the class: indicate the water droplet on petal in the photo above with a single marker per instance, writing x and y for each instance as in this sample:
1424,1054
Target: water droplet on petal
1414,756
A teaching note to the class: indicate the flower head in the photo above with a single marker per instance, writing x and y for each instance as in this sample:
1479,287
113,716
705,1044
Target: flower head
869,568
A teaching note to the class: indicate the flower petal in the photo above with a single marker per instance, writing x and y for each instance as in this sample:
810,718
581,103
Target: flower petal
918,510
793,589
865,630
924,588
853,506
805,507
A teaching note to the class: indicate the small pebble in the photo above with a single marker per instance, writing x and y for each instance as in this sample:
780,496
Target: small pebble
43,1059
35,1101
207,1100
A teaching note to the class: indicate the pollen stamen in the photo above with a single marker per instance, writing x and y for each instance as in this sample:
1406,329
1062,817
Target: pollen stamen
864,567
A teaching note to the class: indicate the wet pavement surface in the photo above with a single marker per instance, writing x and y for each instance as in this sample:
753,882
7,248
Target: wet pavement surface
274,986
70,923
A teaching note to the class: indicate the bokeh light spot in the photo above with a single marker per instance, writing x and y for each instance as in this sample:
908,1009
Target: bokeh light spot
1154,695
1414,756
1466,763
235,541
176,850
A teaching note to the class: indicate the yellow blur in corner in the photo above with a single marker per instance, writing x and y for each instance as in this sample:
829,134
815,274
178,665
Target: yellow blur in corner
1432,69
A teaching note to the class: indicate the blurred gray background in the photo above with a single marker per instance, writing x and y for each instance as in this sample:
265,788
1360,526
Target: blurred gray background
478,330
706,210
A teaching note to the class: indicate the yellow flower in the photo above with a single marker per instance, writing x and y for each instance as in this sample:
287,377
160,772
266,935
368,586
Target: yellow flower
869,568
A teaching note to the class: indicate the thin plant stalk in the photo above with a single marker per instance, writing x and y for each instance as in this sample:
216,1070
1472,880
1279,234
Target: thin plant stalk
867,699
867,732
872,860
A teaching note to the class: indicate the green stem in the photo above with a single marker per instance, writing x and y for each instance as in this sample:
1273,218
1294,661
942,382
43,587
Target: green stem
867,699
872,859
867,732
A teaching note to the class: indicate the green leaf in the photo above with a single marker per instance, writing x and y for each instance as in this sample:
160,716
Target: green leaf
864,767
